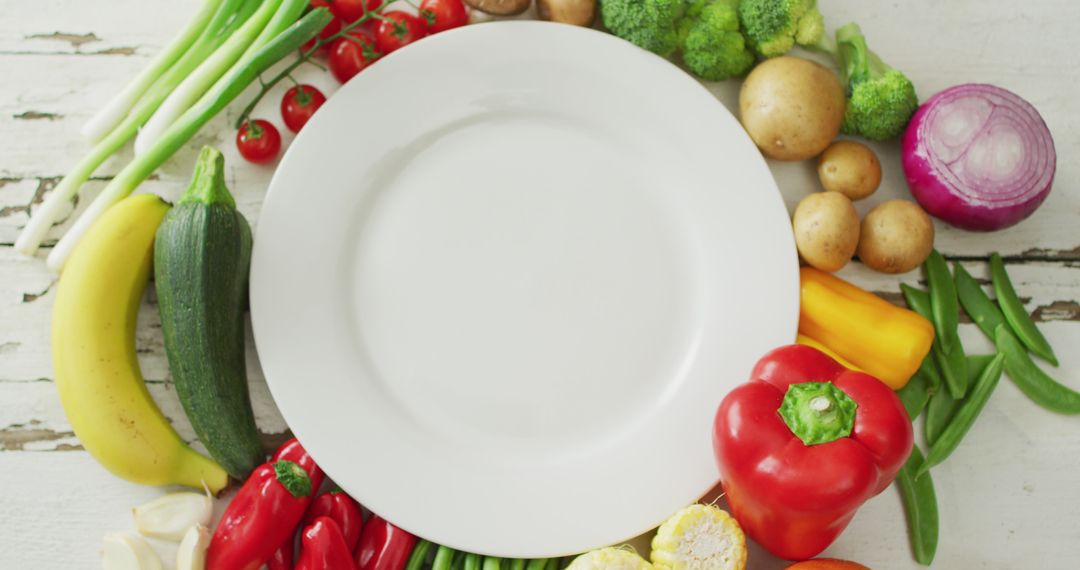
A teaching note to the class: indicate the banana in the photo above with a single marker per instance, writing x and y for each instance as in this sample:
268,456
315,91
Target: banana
93,346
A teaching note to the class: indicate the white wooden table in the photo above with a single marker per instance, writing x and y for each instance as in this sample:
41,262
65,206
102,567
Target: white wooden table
1009,497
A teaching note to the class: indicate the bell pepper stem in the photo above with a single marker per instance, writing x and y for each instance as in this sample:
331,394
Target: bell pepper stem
818,412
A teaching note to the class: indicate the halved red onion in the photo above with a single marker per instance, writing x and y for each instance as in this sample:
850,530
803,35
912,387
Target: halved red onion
979,157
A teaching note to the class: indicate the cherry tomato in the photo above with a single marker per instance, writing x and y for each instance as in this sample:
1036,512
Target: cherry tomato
442,15
299,104
352,10
350,54
332,28
398,30
258,141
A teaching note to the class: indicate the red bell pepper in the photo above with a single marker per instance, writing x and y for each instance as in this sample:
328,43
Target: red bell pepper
383,546
291,450
803,445
265,512
343,510
322,547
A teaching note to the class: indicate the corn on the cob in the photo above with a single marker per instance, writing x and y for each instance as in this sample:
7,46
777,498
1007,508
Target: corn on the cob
699,537
610,559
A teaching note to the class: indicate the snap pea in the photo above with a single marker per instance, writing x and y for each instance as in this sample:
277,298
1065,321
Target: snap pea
1016,315
939,410
953,366
444,556
943,302
920,505
492,563
538,564
419,555
553,564
472,561
965,415
1032,381
517,564
914,395
977,303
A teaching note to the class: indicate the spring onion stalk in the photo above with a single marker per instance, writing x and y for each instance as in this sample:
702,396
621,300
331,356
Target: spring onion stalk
287,39
195,85
225,20
112,113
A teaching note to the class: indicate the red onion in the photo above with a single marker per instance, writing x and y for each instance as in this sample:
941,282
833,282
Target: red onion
979,157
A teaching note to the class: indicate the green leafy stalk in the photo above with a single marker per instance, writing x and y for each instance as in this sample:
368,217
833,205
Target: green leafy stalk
287,39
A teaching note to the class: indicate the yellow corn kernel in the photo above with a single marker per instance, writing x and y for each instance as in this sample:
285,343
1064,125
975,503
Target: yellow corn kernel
699,537
622,558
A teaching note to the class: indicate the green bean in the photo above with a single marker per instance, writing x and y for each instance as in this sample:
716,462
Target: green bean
459,561
965,415
472,561
953,366
977,303
517,564
939,411
553,564
444,556
537,564
1032,381
419,555
492,563
914,395
943,302
920,505
1016,315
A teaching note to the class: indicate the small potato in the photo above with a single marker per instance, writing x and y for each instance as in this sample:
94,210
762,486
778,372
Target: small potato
826,230
792,108
576,12
896,237
850,168
500,7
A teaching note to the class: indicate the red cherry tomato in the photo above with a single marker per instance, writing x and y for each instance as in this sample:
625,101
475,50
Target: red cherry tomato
332,28
258,141
299,104
352,10
398,30
350,54
442,15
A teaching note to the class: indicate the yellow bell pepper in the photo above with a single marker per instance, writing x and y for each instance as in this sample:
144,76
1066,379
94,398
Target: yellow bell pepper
881,339
807,341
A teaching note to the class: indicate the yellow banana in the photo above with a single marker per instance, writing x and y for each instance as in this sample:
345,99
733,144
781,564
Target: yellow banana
93,347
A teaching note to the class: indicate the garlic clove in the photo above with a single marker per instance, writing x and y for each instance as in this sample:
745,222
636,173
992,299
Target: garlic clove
127,551
170,516
191,554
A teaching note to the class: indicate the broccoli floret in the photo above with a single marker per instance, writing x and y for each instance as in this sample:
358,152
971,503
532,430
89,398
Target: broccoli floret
649,24
712,46
881,100
773,27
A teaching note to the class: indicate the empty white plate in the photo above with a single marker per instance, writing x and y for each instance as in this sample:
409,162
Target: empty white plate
503,278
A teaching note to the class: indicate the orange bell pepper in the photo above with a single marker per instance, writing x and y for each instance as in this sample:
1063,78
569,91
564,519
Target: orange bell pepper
868,332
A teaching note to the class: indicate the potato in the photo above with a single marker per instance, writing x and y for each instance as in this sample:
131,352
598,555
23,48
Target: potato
896,237
576,12
850,168
826,230
792,108
500,7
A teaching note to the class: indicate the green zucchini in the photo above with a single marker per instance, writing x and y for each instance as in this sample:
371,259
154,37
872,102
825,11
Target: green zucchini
201,258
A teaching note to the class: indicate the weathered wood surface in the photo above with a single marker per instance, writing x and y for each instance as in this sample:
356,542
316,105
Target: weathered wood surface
1009,495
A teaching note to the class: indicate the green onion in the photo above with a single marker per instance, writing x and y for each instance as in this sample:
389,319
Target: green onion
112,113
286,39
224,21
209,71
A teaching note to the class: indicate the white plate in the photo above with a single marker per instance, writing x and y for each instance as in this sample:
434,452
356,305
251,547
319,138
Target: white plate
503,279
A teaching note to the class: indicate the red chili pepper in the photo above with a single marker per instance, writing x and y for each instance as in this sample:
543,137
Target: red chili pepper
343,509
322,547
383,546
291,450
803,445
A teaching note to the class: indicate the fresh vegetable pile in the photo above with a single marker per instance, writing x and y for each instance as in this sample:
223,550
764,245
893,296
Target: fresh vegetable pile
819,428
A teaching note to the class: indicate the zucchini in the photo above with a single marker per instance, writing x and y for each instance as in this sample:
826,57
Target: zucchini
201,258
